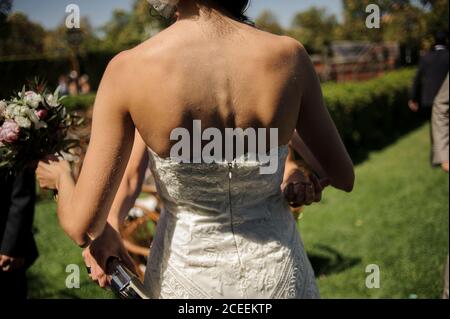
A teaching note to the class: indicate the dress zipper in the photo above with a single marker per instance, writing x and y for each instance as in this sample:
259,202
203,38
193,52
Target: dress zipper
230,178
241,266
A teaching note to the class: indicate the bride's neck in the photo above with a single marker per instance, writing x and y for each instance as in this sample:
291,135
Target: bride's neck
196,10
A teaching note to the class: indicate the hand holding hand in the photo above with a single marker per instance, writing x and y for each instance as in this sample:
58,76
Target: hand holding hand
96,256
50,170
414,106
303,188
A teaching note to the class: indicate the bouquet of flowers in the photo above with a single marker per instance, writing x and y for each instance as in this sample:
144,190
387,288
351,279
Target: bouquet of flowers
33,125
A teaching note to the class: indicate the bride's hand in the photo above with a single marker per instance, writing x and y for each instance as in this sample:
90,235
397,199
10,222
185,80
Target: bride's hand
301,187
96,256
49,171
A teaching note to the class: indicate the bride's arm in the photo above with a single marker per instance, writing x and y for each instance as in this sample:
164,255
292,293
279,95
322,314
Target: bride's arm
109,244
131,184
317,129
305,153
304,179
83,207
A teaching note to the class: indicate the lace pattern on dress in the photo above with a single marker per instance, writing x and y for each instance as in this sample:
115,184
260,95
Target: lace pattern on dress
222,238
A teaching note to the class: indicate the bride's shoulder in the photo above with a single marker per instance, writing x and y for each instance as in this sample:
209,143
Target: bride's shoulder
132,60
289,47
280,47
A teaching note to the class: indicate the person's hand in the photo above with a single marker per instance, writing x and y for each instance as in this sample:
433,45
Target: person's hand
301,187
96,256
49,171
9,264
445,166
414,106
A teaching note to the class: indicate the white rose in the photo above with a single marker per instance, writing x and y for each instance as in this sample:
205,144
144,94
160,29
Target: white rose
14,110
11,111
32,99
23,110
52,100
22,121
33,117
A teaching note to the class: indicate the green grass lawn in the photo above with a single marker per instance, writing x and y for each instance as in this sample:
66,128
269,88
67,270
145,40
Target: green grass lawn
48,274
397,218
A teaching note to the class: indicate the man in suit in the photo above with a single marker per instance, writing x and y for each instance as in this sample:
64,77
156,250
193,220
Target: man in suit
433,69
17,247
440,132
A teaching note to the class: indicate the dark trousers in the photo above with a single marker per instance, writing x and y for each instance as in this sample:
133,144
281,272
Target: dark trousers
17,199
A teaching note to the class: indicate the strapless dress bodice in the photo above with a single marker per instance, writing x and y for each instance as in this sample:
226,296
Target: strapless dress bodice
226,231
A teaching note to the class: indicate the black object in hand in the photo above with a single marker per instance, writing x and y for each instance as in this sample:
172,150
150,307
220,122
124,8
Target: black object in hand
124,283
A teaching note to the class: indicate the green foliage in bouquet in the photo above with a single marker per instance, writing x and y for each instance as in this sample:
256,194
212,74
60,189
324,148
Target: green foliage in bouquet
33,125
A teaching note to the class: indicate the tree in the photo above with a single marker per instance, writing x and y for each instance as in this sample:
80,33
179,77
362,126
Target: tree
436,17
5,9
354,26
60,40
267,21
315,28
405,24
409,22
23,37
128,29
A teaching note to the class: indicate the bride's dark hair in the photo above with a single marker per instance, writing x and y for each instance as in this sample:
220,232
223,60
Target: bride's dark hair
236,8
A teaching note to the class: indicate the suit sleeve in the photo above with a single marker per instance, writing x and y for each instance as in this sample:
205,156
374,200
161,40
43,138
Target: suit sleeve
440,124
18,227
417,84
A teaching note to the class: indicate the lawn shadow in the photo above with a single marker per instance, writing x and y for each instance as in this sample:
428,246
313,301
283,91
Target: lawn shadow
327,261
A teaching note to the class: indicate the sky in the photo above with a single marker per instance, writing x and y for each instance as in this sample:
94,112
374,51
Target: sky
50,13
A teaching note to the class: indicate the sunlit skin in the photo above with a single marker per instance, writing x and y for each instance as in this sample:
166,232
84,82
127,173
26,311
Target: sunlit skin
205,67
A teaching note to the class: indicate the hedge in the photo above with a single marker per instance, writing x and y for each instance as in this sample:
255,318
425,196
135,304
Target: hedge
368,114
373,113
15,73
79,102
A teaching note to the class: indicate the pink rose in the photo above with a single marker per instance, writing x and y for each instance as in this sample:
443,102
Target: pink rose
41,114
9,132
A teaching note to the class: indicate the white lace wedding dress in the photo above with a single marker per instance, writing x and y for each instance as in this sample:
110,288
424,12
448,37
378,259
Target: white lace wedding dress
226,231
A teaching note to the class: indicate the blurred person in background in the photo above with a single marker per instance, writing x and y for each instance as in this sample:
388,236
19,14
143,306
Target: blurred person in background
63,84
433,69
440,147
83,83
17,246
73,83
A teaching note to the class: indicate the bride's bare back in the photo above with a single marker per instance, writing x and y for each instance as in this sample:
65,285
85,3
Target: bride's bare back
225,74
205,67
